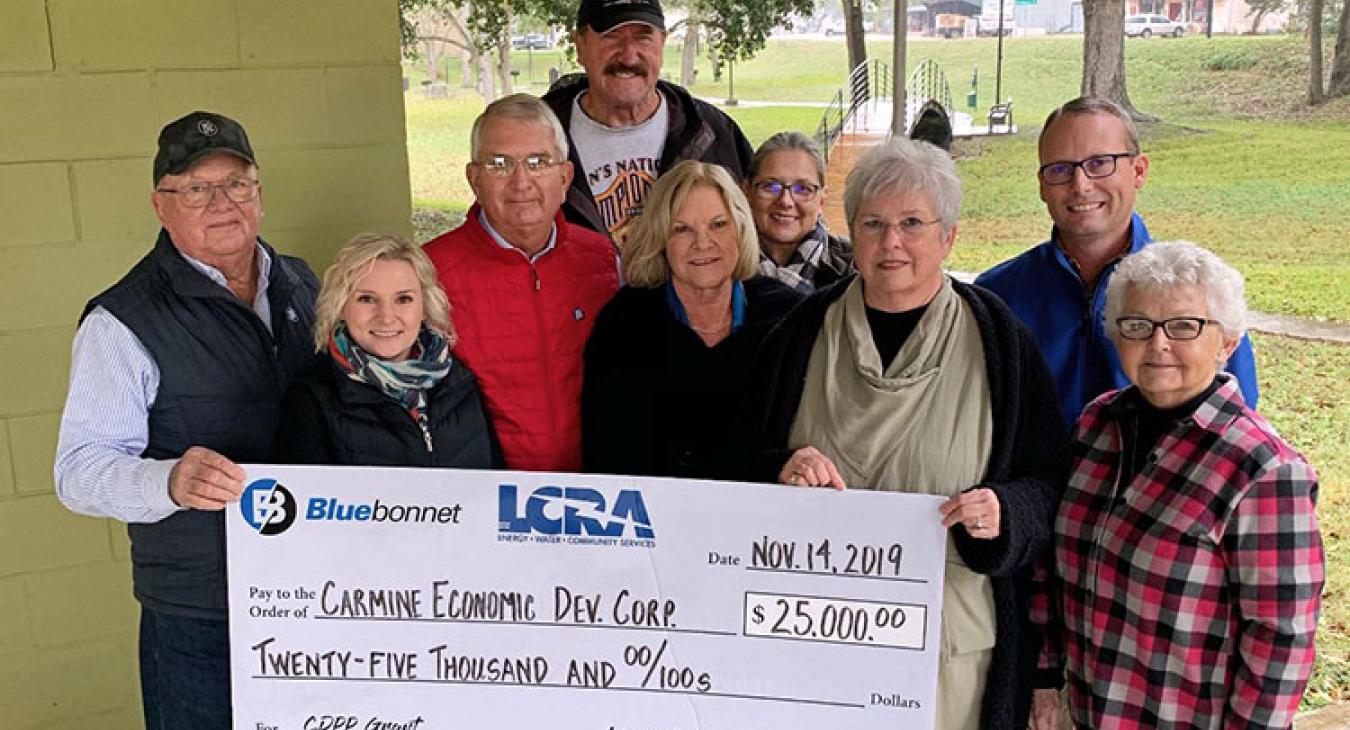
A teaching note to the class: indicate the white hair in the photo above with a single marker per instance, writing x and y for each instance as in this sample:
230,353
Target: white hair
1169,265
521,108
905,165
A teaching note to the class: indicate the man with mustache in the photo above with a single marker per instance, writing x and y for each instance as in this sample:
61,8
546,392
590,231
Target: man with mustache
1091,168
625,125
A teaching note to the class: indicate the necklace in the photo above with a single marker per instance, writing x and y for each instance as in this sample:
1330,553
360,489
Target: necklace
719,329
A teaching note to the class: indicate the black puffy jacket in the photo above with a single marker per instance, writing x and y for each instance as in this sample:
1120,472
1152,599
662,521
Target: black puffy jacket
328,418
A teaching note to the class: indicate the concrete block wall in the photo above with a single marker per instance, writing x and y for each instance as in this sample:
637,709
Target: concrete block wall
85,86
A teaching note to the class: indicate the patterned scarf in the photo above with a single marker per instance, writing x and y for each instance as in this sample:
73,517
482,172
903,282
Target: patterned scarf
800,270
408,381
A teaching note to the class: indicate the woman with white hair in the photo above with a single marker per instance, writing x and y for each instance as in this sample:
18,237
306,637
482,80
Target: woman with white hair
390,393
903,379
668,362
1187,541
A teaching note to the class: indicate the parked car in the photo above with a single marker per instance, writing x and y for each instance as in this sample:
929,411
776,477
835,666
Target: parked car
1150,24
537,41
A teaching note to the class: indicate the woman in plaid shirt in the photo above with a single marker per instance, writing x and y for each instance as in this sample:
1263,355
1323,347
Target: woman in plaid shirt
1187,541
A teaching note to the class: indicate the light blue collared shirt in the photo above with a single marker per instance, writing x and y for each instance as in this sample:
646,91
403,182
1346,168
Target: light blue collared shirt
106,423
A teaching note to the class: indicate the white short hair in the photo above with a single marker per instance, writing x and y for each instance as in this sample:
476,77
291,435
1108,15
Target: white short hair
905,165
1168,265
521,108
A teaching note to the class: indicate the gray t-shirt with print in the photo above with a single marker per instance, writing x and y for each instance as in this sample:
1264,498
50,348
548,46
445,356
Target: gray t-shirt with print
619,163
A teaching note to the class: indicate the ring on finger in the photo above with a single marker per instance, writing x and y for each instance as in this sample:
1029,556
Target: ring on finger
979,524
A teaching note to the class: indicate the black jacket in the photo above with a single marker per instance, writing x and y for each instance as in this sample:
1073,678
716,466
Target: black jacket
1028,465
328,418
698,131
657,401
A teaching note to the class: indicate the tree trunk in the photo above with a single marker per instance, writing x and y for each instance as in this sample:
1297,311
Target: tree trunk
1340,63
1104,53
1256,21
853,33
690,52
1315,95
468,61
504,62
487,80
431,54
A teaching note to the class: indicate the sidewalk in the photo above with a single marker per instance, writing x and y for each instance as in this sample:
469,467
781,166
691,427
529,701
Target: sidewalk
1335,717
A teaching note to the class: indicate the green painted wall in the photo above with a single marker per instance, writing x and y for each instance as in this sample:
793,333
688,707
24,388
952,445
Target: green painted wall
85,86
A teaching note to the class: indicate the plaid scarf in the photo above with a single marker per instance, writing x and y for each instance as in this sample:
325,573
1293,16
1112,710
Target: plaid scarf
408,381
800,270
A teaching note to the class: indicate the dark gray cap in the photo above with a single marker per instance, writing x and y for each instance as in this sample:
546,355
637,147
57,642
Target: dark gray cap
605,15
186,140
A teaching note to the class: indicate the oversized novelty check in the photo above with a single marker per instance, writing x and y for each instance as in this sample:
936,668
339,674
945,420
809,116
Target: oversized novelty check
407,599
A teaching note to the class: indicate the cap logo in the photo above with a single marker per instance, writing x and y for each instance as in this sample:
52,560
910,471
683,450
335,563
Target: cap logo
207,128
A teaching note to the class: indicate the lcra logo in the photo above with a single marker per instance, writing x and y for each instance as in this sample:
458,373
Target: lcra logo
268,507
580,511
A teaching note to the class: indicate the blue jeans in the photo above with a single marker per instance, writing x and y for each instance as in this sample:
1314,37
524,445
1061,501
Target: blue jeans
185,672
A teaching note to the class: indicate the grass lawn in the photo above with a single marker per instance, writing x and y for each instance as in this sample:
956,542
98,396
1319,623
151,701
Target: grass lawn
1238,165
1304,394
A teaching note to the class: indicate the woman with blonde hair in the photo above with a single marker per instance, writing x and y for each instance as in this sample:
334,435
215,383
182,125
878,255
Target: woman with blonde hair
391,394
669,358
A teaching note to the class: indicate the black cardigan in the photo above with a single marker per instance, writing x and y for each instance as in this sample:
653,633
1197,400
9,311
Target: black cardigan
328,418
656,401
1028,465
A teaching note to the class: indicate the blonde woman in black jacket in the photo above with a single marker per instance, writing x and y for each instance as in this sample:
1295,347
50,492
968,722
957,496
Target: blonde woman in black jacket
390,393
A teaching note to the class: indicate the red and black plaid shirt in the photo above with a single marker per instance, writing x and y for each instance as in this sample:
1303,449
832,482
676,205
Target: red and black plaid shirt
1190,594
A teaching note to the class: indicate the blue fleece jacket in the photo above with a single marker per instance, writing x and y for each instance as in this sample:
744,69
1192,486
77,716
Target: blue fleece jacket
1043,288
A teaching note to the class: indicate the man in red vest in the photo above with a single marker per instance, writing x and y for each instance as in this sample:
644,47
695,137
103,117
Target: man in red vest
524,284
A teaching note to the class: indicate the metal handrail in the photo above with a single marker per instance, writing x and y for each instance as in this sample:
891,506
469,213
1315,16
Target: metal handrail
869,81
927,83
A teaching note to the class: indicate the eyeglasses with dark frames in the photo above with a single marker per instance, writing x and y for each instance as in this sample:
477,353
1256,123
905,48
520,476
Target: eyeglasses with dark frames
504,166
1175,328
772,189
1094,167
199,194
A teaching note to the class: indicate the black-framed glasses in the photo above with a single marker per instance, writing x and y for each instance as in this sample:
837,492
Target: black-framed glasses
772,189
1094,167
875,228
504,166
1175,328
199,194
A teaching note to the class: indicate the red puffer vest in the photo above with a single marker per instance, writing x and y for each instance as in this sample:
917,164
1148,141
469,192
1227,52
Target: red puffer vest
522,328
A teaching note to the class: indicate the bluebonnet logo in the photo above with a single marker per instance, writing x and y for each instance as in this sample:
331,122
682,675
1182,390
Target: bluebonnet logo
574,512
268,507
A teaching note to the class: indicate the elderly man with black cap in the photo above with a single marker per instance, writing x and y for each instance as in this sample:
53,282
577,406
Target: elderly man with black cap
624,124
178,372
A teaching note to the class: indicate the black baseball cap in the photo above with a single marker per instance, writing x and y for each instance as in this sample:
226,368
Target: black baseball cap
605,15
186,140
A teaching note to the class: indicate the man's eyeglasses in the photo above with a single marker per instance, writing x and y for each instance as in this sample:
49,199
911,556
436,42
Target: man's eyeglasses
1176,328
503,166
875,228
1094,167
199,195
772,189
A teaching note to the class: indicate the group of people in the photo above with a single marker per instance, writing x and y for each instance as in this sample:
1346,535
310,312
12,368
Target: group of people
636,291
